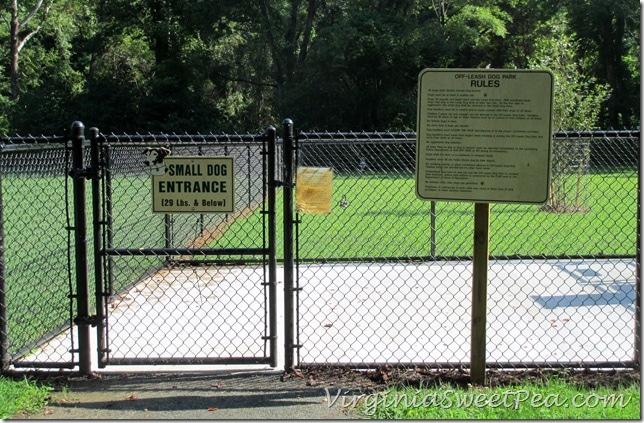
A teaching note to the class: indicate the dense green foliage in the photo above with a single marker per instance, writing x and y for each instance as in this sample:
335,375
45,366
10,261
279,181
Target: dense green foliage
230,65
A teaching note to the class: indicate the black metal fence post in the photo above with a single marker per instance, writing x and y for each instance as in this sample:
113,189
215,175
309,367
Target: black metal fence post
82,320
98,222
289,318
272,243
4,327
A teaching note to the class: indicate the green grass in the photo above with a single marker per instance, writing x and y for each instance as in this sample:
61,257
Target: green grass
21,396
555,399
36,242
37,286
385,219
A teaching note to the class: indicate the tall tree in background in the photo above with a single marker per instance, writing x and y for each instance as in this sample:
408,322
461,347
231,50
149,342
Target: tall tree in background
525,29
21,30
608,31
192,65
288,26
577,104
362,68
472,28
231,65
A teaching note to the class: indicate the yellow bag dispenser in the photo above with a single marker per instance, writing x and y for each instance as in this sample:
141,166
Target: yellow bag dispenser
314,190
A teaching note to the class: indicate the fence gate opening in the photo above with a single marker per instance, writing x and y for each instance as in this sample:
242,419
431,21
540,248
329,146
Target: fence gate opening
177,281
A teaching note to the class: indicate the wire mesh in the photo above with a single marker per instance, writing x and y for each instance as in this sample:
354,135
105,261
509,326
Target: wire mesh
36,279
166,306
387,278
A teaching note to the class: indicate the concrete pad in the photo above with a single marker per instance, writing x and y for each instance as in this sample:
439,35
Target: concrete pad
564,311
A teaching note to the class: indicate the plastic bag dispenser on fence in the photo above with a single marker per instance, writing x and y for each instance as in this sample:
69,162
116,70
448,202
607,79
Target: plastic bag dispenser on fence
314,190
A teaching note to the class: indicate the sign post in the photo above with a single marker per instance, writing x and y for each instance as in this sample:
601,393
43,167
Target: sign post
480,260
483,136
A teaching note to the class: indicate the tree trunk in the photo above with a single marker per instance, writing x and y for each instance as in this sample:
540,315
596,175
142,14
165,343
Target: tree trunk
14,51
17,42
288,42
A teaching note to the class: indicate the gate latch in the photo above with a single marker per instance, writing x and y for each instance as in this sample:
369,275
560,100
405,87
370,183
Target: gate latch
87,173
86,320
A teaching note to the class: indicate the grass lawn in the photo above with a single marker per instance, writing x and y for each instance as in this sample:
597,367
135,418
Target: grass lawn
21,396
385,219
554,399
38,278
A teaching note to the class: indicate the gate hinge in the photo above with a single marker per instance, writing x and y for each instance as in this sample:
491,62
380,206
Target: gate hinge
87,320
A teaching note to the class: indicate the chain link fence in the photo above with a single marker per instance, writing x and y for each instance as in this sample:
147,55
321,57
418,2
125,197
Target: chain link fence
162,288
387,278
384,278
36,300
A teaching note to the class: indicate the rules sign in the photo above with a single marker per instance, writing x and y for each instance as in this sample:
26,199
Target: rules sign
484,135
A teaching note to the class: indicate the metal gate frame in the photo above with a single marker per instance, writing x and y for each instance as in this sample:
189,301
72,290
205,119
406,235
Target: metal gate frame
98,173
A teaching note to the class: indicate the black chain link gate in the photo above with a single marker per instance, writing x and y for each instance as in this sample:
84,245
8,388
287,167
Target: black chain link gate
184,288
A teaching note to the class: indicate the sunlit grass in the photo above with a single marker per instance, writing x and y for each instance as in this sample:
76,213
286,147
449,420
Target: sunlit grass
551,400
21,396
384,218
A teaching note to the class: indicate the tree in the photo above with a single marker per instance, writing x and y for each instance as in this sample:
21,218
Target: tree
288,26
471,29
578,95
200,65
577,104
608,31
524,25
51,76
362,69
21,30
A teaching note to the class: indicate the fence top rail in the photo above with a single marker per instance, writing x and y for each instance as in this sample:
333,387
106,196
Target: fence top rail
32,140
183,138
10,143
608,134
387,136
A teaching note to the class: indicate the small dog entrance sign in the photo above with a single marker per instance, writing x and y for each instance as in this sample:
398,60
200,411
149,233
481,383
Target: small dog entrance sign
188,184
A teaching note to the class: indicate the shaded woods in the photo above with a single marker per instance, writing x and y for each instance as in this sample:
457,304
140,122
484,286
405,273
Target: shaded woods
231,65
